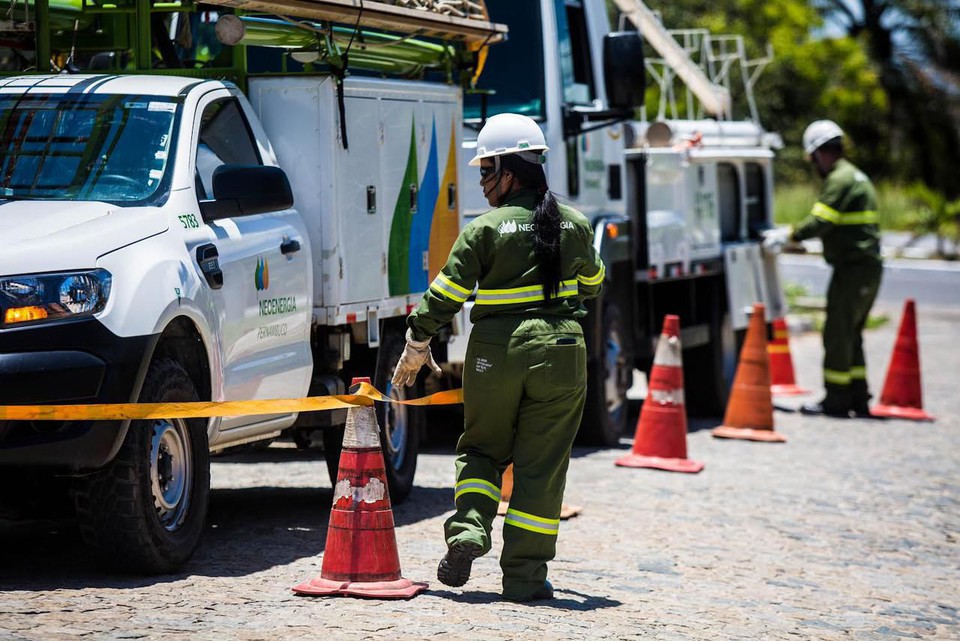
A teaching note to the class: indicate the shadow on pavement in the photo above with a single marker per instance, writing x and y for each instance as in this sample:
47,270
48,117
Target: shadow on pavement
248,530
580,602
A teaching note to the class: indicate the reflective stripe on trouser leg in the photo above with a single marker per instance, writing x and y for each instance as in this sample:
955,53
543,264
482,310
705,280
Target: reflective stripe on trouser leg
547,422
492,385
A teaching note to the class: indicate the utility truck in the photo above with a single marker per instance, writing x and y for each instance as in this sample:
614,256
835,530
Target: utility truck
244,199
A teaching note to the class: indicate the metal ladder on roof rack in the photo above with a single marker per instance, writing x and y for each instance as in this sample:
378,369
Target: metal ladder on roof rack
705,63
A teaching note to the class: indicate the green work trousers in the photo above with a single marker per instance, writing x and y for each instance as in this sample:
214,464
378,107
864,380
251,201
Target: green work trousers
524,386
850,295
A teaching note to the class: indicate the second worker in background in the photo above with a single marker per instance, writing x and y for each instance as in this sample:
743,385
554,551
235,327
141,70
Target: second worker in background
845,219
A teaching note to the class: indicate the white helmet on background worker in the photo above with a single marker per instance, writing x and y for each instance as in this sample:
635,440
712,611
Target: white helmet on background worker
818,134
506,134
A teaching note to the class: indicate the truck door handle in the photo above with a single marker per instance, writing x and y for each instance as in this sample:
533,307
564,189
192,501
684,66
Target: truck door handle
208,260
289,246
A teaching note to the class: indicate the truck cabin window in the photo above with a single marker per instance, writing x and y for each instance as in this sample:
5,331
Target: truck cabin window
576,68
111,148
514,68
225,139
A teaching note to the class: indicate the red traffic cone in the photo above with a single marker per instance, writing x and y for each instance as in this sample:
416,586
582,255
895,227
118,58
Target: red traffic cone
749,413
361,551
661,438
782,381
902,396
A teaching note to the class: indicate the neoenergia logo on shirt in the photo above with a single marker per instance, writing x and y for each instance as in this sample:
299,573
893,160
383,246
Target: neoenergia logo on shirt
511,226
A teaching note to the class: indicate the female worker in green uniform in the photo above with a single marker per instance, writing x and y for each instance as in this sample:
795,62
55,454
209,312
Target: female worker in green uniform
532,262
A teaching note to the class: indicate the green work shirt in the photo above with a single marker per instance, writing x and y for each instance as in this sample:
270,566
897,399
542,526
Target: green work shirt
844,217
495,255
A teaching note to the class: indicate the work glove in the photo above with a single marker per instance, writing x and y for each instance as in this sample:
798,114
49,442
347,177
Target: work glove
415,355
774,239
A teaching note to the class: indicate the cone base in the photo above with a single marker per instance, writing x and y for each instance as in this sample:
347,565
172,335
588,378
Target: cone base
399,589
749,434
658,463
788,390
566,511
895,411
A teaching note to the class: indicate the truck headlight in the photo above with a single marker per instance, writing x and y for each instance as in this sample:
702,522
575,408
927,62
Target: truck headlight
39,297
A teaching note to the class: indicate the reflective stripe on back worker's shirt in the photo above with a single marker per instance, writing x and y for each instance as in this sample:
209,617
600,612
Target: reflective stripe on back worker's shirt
831,215
443,285
529,294
531,522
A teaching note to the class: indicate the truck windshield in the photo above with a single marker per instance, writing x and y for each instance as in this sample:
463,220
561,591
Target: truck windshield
107,147
514,68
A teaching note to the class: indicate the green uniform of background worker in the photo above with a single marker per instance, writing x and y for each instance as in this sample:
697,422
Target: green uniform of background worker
524,379
845,219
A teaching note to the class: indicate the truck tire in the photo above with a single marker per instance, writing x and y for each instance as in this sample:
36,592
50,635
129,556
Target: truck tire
609,375
708,370
145,511
400,425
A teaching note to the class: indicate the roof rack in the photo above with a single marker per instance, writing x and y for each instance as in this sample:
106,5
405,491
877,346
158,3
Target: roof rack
371,14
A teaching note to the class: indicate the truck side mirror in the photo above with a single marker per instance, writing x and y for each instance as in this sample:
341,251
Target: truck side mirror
242,190
624,74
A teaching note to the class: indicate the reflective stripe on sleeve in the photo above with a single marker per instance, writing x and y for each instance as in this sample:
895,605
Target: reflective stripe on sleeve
835,377
858,373
831,215
477,486
530,294
443,285
593,280
533,523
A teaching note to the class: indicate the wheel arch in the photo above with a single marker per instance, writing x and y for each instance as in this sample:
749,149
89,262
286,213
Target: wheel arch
182,342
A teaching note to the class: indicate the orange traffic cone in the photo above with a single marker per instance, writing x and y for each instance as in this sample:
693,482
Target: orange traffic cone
750,408
661,438
902,396
506,491
782,381
361,550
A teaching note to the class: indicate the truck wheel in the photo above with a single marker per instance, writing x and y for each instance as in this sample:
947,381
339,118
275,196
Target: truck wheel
145,511
708,370
609,375
400,425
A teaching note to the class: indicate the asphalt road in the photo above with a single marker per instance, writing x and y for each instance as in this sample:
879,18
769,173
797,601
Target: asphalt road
933,282
850,530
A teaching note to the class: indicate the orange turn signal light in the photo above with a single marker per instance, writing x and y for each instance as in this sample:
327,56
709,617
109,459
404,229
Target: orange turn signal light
613,230
24,314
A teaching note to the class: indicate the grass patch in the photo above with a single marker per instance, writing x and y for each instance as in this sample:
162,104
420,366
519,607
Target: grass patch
898,209
813,308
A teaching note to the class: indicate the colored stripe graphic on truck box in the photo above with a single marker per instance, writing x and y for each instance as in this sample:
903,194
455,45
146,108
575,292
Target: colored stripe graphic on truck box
431,229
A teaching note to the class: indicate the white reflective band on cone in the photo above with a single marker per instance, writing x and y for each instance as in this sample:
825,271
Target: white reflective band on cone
667,397
668,352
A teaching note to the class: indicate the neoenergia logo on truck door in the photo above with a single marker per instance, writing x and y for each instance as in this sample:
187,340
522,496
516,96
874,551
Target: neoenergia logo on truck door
261,276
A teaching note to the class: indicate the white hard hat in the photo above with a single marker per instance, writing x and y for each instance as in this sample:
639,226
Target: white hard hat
510,134
818,133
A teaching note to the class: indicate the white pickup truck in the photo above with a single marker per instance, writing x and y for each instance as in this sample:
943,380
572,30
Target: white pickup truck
152,253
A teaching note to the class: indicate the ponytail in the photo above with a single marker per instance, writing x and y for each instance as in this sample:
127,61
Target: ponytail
546,223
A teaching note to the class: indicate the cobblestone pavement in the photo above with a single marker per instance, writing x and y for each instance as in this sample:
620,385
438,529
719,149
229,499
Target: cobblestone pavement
848,531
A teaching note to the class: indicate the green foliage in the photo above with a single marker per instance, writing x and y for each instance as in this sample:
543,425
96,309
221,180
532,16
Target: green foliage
936,215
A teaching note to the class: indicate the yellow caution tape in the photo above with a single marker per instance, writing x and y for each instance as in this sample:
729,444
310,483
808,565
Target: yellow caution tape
365,396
